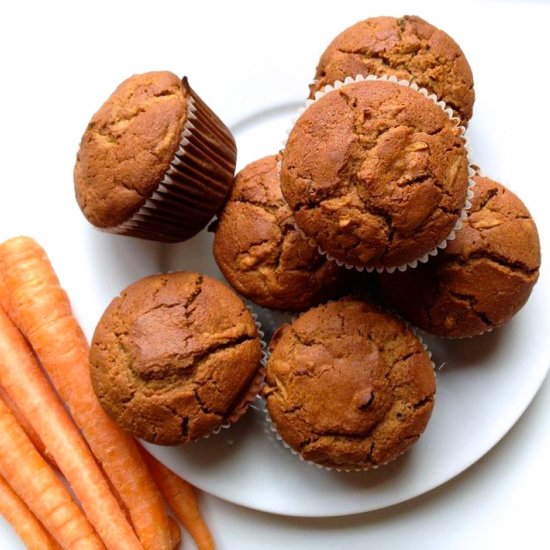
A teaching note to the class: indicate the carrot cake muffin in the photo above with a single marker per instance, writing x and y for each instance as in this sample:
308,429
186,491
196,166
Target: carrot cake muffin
406,47
482,278
376,174
260,252
348,386
175,357
154,162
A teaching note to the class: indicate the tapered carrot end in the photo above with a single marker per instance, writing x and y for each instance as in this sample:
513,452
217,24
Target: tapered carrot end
175,533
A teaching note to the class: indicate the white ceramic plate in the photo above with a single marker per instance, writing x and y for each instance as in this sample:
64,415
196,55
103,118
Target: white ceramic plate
484,385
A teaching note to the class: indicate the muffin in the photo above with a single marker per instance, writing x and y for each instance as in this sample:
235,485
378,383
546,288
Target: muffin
348,386
406,47
175,357
482,278
154,162
259,251
376,174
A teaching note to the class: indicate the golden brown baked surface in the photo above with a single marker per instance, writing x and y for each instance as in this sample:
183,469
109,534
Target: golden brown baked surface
260,252
406,47
174,356
482,278
348,386
375,173
128,145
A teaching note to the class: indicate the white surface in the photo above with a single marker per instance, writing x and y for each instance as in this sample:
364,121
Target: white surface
60,61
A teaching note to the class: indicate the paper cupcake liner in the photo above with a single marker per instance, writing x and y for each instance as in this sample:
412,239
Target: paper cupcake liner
270,319
194,186
468,337
253,390
471,168
271,430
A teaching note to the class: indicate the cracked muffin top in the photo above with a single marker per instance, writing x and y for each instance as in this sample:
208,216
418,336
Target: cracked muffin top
128,145
482,278
348,386
406,47
375,173
174,357
259,251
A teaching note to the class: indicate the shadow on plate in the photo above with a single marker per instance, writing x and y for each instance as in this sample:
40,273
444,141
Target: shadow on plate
373,478
211,452
126,257
450,354
192,255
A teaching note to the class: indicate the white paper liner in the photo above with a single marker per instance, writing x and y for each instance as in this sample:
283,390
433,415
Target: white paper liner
468,337
270,319
155,216
471,169
271,431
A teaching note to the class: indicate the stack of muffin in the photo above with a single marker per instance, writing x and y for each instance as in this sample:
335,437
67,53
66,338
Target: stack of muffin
375,176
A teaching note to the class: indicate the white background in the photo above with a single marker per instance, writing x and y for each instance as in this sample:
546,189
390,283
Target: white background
59,61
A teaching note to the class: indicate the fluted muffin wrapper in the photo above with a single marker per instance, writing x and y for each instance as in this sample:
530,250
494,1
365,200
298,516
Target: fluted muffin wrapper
471,169
271,430
254,387
196,183
272,319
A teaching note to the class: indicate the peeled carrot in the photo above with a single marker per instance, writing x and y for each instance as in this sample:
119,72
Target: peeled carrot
182,498
29,529
34,481
34,300
175,533
27,386
27,428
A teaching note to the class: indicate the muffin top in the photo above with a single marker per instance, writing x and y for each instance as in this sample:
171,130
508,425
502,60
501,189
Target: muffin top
259,251
174,357
482,278
348,386
128,145
406,47
375,173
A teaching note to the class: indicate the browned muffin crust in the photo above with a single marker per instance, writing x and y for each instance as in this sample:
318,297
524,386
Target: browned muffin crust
259,251
128,146
406,47
174,356
348,386
375,173
482,278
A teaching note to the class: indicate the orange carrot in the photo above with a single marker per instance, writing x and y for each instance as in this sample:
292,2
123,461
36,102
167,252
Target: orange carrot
27,428
38,443
34,481
31,294
182,498
29,529
175,533
27,386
